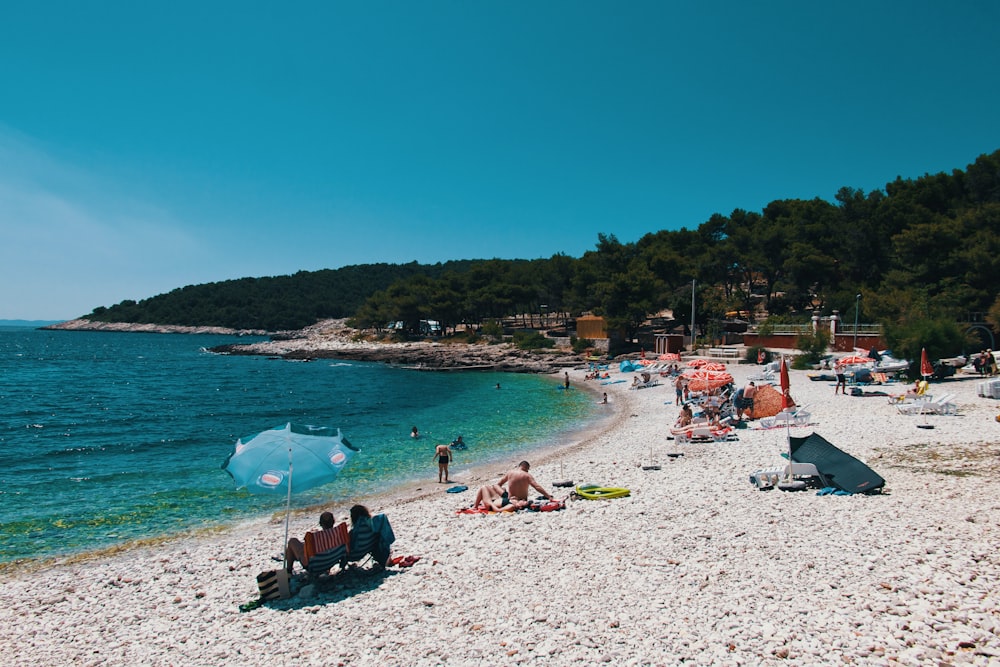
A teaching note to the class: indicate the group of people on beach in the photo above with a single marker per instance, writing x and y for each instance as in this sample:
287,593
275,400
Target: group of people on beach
712,405
985,364
361,527
519,482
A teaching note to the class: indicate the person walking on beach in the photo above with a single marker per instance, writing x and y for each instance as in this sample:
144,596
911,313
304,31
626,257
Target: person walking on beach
841,382
679,390
443,455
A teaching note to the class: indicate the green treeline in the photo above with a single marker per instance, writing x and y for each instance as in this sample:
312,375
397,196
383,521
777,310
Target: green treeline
919,251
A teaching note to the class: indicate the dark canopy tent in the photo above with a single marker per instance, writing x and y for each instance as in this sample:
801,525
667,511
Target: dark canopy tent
839,468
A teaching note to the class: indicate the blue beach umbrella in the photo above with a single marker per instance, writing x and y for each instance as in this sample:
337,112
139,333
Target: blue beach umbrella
263,462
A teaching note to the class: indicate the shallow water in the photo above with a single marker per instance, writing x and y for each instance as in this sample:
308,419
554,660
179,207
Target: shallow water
109,437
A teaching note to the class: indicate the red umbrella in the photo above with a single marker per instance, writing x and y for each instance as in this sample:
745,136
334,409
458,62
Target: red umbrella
925,364
670,356
697,363
699,380
786,404
713,366
786,400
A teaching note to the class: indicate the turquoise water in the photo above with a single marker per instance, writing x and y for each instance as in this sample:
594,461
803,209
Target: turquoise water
110,437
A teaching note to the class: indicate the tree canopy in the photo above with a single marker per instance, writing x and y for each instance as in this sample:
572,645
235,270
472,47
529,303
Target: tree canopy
923,248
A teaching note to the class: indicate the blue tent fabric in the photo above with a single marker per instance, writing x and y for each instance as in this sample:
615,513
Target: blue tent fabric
841,470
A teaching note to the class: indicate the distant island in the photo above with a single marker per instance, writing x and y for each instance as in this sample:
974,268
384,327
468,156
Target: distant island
35,324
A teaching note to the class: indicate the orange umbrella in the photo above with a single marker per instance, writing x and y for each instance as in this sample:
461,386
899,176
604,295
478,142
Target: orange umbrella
925,365
701,380
670,356
713,366
697,363
767,402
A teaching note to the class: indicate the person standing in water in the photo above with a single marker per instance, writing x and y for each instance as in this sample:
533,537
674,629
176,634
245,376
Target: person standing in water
443,455
566,381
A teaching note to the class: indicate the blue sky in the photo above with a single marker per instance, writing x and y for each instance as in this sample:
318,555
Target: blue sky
148,146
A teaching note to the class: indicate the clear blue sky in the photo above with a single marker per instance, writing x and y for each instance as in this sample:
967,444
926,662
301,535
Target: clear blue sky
147,146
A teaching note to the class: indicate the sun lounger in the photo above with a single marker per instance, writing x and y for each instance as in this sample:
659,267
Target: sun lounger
767,479
940,406
702,433
913,396
647,381
761,376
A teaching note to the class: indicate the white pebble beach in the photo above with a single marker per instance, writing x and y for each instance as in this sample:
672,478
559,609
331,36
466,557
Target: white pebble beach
696,566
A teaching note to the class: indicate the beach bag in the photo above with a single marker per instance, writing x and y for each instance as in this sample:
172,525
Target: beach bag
273,585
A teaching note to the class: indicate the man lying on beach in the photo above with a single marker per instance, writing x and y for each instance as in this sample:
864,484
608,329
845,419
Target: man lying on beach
515,497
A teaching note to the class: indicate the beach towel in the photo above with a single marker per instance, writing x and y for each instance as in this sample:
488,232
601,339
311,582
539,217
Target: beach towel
380,523
475,510
547,506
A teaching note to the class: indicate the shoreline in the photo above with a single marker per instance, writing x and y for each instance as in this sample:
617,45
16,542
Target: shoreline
696,565
332,339
402,492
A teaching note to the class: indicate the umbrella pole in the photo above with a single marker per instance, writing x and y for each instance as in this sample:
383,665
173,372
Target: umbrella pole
288,511
788,436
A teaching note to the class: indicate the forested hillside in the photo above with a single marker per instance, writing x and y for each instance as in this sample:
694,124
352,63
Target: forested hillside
925,249
276,303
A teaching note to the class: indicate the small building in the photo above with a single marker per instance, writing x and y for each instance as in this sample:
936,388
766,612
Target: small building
595,328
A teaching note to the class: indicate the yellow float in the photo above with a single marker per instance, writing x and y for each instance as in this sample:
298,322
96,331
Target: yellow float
594,492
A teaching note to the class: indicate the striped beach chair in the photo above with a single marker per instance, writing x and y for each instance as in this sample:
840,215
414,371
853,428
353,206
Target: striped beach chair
325,548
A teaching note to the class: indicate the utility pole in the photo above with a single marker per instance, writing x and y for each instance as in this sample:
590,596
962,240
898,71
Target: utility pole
857,307
692,316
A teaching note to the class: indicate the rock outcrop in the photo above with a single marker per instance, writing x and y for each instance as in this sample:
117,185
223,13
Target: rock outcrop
332,339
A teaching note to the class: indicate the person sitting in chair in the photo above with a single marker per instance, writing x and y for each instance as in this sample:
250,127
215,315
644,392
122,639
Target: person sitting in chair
685,417
296,548
366,539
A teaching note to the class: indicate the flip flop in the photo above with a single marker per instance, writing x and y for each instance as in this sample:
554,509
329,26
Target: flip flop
405,561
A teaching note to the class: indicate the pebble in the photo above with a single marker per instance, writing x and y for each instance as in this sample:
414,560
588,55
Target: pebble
696,566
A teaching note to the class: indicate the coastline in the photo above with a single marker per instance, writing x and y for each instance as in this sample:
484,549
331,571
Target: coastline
696,565
332,339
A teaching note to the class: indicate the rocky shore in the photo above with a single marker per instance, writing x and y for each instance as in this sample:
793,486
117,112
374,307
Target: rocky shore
333,339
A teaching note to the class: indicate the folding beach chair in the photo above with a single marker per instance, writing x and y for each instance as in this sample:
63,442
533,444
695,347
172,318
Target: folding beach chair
324,549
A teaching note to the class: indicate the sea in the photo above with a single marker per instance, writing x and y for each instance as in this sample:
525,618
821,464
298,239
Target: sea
108,438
